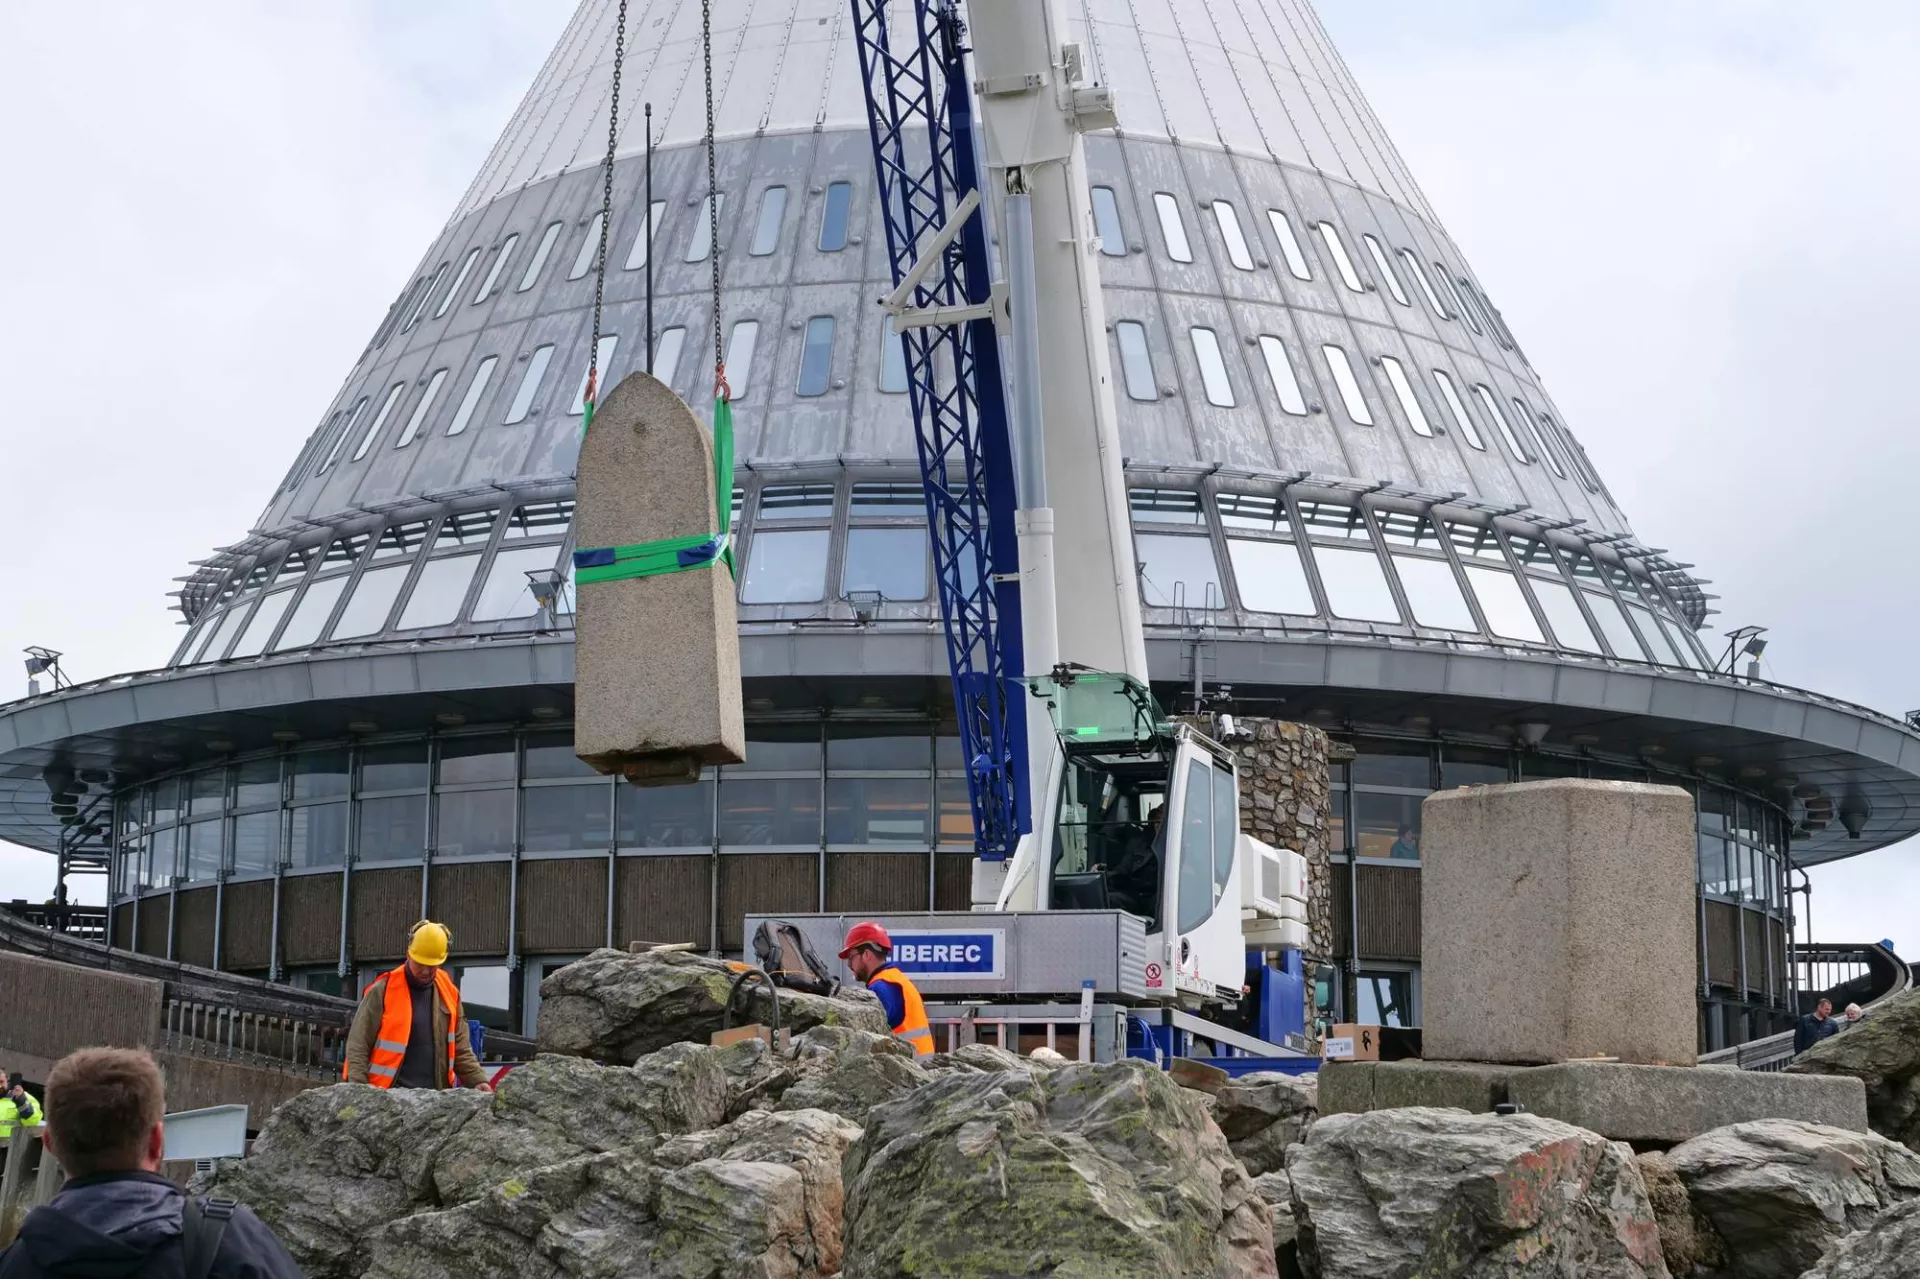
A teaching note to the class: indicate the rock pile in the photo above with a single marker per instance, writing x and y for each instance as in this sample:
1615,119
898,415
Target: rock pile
642,1150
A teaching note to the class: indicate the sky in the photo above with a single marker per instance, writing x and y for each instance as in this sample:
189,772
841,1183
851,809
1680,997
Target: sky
1692,215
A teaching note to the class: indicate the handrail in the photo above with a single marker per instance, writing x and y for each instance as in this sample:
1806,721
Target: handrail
86,922
1775,1051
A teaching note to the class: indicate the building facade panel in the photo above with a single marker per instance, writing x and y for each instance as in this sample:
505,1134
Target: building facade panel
384,904
310,920
472,901
563,905
246,936
194,913
666,899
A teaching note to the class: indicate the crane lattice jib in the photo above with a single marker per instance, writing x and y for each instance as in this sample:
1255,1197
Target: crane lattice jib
920,114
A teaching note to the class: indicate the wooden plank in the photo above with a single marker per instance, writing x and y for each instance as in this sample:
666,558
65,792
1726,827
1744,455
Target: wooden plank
13,1185
50,1178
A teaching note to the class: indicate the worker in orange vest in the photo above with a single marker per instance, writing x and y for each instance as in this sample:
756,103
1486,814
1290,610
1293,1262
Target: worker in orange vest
867,952
408,1032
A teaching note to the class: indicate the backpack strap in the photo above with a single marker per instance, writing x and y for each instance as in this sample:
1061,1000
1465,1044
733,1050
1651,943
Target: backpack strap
203,1224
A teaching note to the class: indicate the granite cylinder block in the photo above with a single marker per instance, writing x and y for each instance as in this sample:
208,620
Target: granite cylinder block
1558,921
657,659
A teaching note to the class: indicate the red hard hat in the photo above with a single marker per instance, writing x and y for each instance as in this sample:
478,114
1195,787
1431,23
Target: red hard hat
866,934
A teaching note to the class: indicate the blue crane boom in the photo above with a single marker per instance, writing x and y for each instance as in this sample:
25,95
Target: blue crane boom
920,113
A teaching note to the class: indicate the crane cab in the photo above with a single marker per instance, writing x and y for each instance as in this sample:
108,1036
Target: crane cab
1140,814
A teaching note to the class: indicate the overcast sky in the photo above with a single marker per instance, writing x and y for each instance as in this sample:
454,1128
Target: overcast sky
1694,216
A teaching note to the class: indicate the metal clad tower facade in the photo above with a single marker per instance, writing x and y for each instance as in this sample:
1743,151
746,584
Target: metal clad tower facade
1352,501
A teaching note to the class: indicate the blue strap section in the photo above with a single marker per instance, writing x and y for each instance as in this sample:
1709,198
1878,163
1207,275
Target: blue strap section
705,553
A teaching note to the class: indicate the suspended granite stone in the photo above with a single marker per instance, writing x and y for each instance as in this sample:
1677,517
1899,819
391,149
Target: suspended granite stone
656,653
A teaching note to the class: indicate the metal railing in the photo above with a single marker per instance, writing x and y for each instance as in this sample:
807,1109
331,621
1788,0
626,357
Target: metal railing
88,923
1841,973
299,1046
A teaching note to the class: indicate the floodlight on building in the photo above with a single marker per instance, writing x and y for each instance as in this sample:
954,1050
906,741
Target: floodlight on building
1747,641
44,661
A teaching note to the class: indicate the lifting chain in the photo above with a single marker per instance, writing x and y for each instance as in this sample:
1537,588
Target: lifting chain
606,216
721,391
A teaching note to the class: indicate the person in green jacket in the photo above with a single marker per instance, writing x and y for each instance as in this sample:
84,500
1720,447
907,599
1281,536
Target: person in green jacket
18,1108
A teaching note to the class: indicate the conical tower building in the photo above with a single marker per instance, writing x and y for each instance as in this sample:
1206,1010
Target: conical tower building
1352,500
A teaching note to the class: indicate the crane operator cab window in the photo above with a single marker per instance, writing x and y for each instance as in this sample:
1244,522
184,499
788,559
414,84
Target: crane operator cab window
1109,843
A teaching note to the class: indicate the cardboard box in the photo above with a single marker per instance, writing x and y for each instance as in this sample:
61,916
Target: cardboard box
1350,1042
780,1043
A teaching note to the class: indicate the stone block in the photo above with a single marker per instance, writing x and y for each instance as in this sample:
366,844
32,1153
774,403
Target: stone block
1660,1105
1355,1087
656,659
1558,920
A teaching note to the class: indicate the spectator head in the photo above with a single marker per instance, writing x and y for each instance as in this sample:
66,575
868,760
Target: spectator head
104,1111
1854,1012
1406,832
1823,1009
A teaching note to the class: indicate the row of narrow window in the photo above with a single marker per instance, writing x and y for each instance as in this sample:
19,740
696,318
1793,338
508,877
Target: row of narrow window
1455,298
1142,383
816,360
815,378
835,217
1137,372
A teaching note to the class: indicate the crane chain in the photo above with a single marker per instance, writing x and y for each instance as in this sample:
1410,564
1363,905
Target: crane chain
606,215
721,390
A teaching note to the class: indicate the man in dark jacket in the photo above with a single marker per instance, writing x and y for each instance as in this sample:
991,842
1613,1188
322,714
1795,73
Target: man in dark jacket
118,1217
1814,1027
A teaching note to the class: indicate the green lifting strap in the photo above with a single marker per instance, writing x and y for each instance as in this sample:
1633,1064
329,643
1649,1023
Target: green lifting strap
674,554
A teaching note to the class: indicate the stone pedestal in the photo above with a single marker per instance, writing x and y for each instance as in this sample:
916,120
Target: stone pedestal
1558,920
656,659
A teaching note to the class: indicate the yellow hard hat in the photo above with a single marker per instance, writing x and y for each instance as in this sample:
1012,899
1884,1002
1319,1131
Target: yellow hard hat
427,943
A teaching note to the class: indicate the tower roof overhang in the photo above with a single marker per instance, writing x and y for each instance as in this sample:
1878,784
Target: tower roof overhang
1777,742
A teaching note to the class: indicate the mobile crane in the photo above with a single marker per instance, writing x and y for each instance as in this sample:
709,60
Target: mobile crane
1109,861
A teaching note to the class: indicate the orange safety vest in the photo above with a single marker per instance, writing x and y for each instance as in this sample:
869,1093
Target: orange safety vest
396,1024
913,1026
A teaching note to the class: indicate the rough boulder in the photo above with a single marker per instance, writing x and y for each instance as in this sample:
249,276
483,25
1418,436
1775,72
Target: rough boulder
757,1200
616,1007
335,1163
1262,1114
1397,1193
554,1109
1104,1170
1774,1194
1883,1052
1887,1249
